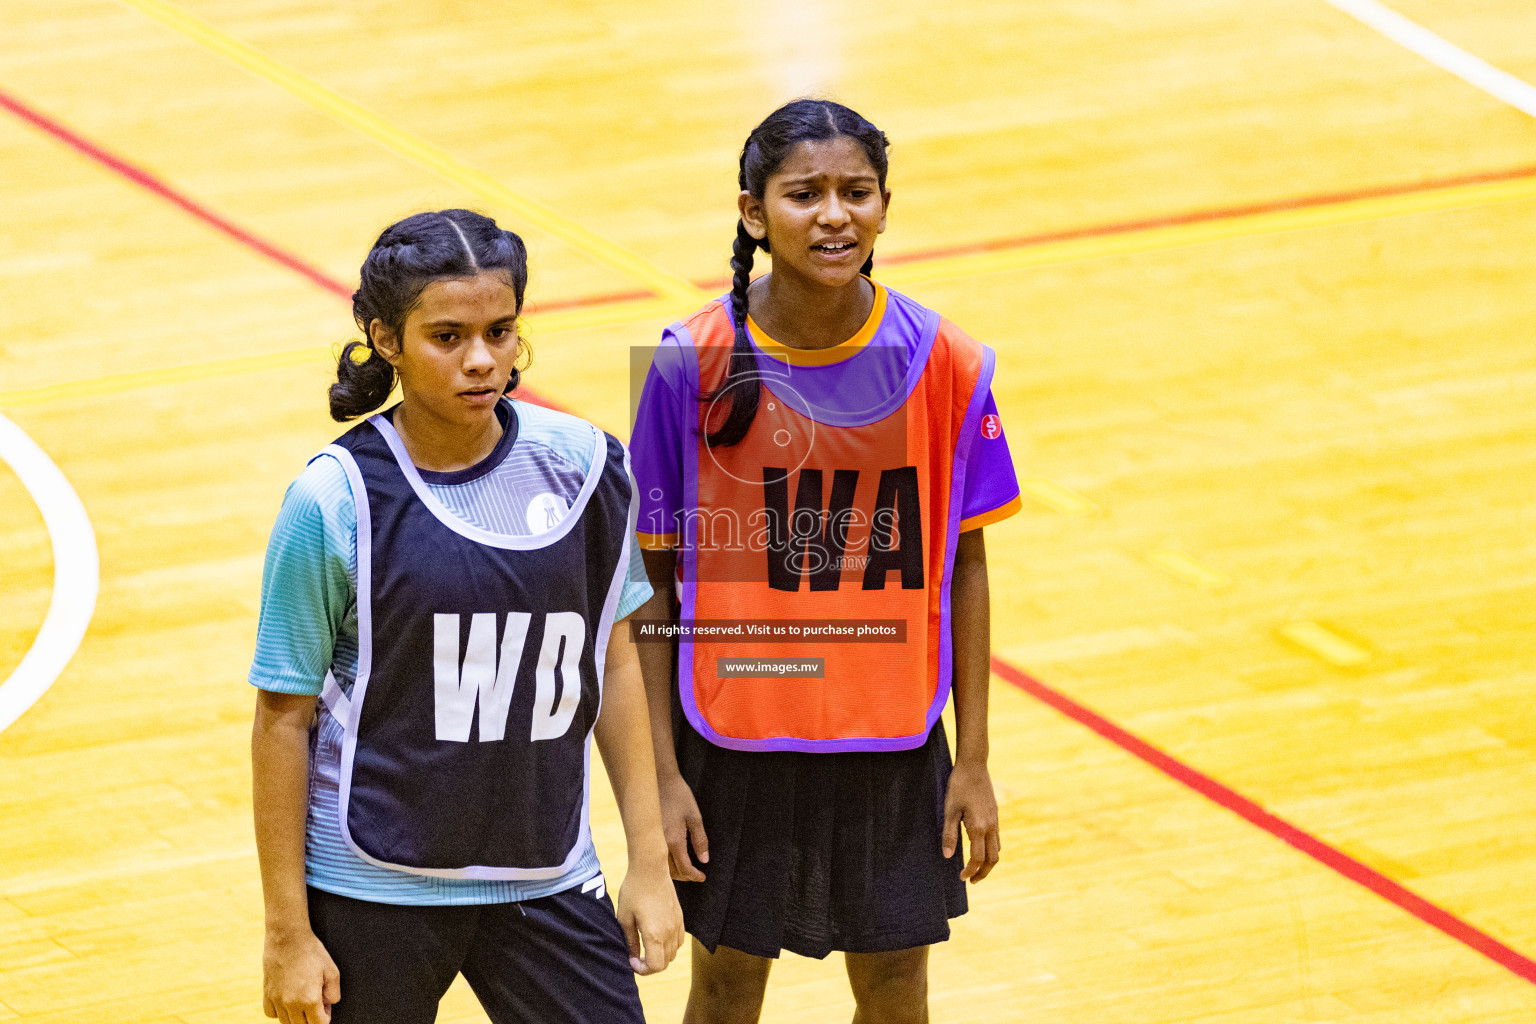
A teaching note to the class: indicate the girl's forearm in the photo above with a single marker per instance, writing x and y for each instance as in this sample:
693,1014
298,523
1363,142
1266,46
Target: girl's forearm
971,612
656,658
623,734
280,796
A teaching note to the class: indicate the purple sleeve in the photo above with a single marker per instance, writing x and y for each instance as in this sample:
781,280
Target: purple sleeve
662,425
991,488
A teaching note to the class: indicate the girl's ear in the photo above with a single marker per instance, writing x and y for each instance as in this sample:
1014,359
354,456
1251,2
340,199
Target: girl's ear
885,209
384,341
751,210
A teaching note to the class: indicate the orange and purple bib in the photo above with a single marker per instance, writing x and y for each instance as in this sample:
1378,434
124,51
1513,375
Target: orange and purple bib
815,555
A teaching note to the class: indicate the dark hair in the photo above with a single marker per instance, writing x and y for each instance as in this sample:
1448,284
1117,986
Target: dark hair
408,256
765,151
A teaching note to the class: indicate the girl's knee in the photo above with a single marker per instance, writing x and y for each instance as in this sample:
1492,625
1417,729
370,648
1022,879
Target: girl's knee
897,977
726,985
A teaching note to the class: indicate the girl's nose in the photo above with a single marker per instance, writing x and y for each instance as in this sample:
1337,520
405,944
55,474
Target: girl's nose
477,356
833,212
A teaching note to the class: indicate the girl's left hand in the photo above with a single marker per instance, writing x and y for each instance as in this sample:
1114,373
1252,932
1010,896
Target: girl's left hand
647,909
970,799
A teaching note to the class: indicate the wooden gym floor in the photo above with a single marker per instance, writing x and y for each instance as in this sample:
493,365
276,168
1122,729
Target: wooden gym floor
1262,286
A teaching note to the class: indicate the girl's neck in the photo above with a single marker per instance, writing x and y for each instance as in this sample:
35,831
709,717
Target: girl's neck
438,445
798,313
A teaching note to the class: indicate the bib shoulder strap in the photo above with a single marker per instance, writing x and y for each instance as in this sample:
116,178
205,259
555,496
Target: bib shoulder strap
363,436
711,334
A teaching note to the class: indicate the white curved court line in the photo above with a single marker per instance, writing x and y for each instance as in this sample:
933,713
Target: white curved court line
1410,35
76,573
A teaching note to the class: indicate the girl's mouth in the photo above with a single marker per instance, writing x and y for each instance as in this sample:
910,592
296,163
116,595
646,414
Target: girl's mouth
833,248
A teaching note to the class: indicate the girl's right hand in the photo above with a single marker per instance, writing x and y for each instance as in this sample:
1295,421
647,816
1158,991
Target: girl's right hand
680,822
300,979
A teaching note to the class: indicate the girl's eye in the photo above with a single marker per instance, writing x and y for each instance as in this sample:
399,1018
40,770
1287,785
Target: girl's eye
803,196
500,333
444,339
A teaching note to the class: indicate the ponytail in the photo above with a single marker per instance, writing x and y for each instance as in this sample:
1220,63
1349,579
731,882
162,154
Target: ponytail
360,387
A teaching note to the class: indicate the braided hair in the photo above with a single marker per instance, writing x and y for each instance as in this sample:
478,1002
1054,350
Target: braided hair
765,151
408,256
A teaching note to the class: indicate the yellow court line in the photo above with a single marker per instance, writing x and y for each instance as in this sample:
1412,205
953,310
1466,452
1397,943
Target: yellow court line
1325,643
1073,250
1057,496
419,151
112,383
1184,566
609,315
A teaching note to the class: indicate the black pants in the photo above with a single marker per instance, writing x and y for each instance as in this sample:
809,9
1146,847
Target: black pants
562,958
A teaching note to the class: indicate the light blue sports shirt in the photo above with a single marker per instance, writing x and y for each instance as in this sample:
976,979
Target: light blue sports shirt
308,626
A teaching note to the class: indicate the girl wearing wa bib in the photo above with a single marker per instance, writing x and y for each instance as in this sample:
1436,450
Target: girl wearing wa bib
816,457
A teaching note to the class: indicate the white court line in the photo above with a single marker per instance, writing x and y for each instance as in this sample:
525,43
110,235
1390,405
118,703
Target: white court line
1412,36
76,573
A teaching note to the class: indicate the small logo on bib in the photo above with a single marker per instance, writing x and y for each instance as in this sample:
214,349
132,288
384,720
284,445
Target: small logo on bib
991,426
546,511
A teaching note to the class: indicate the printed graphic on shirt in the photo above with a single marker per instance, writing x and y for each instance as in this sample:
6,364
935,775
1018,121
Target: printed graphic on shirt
546,511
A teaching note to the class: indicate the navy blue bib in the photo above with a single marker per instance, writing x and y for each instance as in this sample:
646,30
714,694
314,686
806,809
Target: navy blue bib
479,676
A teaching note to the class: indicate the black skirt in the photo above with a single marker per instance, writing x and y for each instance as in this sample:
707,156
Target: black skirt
816,852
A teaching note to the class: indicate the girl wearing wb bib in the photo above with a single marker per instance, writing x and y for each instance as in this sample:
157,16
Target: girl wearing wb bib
815,447
437,636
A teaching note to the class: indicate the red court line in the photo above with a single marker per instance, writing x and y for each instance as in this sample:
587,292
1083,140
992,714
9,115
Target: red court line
1221,213
139,176
583,301
1251,812
149,181
143,178
1192,217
